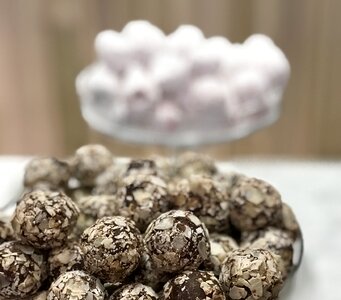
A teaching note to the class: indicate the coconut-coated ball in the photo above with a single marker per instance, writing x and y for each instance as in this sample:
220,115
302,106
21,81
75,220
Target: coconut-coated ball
47,172
112,248
177,240
134,291
76,285
252,274
44,219
254,204
22,270
89,161
199,285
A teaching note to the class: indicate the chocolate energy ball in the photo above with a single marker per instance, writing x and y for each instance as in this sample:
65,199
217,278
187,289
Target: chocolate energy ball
143,198
22,270
66,258
134,291
46,172
44,219
275,240
199,285
93,208
108,182
142,166
6,231
254,205
76,285
206,198
177,240
221,246
194,163
289,222
252,274
112,248
89,161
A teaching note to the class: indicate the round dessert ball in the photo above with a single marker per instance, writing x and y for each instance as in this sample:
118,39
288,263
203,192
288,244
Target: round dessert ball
44,219
142,166
199,285
276,240
206,198
66,258
143,198
108,182
221,246
254,204
177,240
288,222
6,231
46,172
22,270
190,163
112,248
76,285
251,274
89,161
134,291
95,207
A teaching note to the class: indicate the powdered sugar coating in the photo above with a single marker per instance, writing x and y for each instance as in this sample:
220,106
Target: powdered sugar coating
112,248
44,219
22,270
76,285
177,240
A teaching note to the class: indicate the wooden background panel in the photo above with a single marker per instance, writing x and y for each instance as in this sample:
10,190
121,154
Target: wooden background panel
44,45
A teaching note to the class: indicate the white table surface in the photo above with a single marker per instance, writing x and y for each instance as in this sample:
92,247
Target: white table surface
312,189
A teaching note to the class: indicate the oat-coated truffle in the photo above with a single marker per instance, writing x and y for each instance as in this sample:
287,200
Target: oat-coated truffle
22,270
95,207
190,163
199,285
143,198
288,222
177,240
134,291
66,258
206,198
221,246
76,285
6,231
142,166
251,274
44,219
275,240
46,172
112,248
89,161
254,204
108,182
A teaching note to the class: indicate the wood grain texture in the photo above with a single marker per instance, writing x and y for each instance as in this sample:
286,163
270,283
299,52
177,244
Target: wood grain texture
44,44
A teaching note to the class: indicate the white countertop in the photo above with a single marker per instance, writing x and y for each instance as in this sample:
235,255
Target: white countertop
312,189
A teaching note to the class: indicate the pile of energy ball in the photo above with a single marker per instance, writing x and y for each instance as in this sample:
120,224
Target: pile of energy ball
93,228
